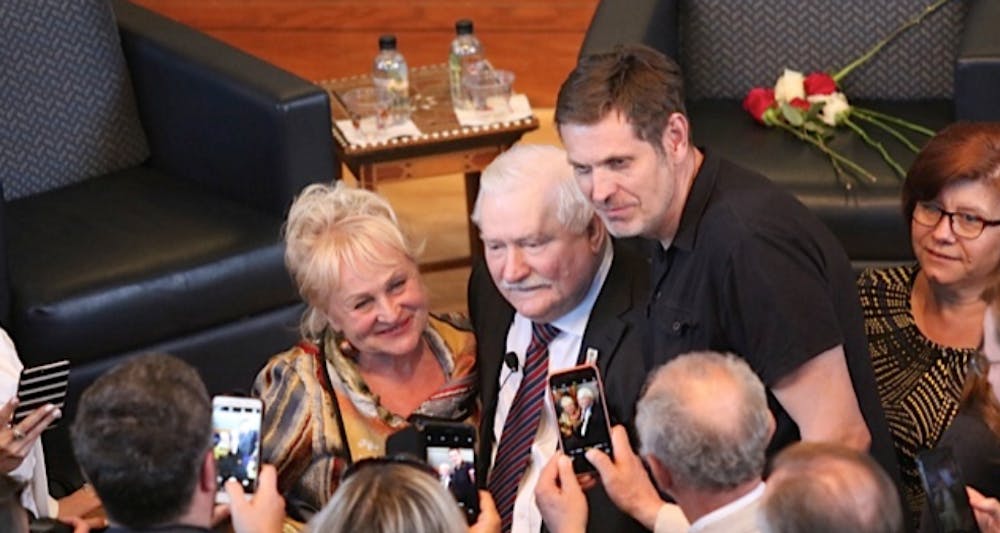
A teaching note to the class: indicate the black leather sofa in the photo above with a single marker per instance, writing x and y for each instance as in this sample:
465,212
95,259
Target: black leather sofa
180,253
945,69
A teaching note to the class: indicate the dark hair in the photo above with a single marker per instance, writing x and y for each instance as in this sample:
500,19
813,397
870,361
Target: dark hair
13,517
963,151
636,80
140,435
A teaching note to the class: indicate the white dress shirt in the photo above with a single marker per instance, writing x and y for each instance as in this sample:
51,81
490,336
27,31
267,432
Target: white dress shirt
563,352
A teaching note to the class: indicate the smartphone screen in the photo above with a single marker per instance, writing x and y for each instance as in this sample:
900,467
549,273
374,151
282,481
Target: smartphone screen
945,487
236,442
581,413
451,451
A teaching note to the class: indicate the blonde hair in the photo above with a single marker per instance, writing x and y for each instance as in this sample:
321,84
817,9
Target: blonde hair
332,227
390,498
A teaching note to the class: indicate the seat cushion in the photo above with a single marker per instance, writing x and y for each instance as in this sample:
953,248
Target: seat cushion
68,109
867,218
133,258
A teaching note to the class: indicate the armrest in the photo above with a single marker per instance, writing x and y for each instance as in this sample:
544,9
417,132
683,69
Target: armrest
223,118
977,68
650,22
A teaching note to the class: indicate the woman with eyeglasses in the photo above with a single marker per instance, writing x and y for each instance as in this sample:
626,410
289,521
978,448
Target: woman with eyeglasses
925,321
372,359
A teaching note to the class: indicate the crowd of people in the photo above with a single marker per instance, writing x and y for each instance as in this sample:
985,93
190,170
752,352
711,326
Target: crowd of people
752,382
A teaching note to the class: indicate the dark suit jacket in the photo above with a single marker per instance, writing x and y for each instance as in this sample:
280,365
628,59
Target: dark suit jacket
614,330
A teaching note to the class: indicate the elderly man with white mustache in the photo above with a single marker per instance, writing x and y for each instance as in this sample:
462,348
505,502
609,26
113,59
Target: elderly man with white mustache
558,293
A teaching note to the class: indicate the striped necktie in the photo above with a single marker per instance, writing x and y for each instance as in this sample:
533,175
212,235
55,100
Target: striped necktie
521,425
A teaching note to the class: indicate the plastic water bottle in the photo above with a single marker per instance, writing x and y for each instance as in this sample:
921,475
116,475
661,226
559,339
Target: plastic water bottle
392,78
466,55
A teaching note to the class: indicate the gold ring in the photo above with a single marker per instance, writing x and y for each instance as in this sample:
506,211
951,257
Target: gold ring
18,434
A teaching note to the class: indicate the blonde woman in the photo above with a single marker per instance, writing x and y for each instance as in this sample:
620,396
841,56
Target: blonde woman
372,357
393,495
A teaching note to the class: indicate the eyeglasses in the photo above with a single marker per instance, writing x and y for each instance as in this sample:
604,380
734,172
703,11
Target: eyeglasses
399,459
964,225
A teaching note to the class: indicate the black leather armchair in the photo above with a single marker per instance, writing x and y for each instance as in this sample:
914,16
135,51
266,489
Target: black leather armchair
181,252
945,69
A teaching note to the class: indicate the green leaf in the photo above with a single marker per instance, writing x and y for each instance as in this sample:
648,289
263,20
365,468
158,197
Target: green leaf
792,114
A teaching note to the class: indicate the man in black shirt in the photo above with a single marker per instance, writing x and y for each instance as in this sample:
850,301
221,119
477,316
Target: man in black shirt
741,265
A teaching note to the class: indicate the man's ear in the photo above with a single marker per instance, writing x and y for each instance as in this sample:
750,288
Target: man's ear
661,475
676,136
206,479
596,234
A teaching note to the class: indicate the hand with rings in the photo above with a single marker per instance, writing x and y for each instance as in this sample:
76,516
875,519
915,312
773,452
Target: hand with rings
16,440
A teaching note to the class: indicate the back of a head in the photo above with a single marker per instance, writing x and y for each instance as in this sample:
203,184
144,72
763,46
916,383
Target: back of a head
140,435
827,488
704,416
390,498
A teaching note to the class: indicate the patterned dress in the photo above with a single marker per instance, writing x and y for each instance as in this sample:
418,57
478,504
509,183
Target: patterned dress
919,381
319,414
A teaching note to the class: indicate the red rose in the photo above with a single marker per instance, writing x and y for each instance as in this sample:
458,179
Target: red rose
820,83
758,101
799,103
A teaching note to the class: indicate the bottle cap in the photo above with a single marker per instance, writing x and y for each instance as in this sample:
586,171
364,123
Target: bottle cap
387,42
463,27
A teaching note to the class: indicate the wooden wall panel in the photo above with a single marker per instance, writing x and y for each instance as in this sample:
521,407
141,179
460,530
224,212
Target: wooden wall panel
320,39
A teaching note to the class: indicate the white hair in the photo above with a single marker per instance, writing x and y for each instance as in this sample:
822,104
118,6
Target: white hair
717,451
531,163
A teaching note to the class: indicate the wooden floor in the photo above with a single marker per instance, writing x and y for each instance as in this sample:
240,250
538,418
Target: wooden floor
434,209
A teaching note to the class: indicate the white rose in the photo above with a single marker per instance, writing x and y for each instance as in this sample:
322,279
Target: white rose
790,85
835,107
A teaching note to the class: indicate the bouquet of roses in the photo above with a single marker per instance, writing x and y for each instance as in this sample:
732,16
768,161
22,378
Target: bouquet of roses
812,107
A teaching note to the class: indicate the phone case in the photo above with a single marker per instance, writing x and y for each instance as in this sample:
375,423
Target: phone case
40,385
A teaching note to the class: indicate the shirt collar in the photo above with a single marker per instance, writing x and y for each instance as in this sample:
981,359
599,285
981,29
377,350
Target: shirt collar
731,508
697,201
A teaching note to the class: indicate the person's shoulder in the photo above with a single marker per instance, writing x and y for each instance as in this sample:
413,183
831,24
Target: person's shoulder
300,359
891,280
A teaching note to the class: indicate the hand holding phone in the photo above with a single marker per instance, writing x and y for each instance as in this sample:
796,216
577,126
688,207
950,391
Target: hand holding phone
236,425
16,439
581,413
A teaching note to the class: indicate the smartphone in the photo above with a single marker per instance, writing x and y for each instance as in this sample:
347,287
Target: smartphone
945,487
581,413
40,385
451,450
236,442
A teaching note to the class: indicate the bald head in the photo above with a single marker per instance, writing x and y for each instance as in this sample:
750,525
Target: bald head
821,487
704,416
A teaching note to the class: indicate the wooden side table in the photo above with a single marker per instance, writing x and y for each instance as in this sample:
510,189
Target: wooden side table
444,146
